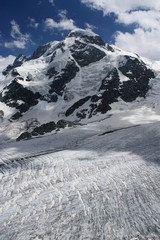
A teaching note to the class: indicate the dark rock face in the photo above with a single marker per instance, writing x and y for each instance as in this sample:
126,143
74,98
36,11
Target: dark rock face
49,98
110,91
76,105
63,123
41,130
15,73
109,48
111,81
24,136
15,92
40,51
7,69
44,128
82,114
51,72
139,76
64,77
17,62
85,54
16,116
1,114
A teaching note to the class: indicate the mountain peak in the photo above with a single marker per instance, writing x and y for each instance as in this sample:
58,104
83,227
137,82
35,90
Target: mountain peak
79,32
87,35
77,78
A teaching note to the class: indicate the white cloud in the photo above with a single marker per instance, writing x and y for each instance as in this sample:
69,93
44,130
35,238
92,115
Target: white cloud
117,7
32,23
51,2
145,19
145,14
5,61
145,38
63,24
145,43
19,40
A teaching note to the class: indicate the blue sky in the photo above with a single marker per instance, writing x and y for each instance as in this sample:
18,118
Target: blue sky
133,25
31,17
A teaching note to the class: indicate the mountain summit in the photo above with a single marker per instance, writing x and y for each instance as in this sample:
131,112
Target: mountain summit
74,79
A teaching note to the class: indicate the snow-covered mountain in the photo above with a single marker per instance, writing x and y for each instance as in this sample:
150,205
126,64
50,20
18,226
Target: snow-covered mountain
98,178
75,79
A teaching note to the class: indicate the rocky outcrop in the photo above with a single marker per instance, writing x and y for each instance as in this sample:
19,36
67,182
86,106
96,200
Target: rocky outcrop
138,79
64,123
85,54
20,59
24,136
40,51
61,79
15,95
109,91
45,128
76,105
1,114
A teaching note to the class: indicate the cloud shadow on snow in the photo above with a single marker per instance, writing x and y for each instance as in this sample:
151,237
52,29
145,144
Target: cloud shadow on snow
141,140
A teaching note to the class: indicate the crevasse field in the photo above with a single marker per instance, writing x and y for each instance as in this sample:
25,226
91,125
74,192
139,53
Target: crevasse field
95,181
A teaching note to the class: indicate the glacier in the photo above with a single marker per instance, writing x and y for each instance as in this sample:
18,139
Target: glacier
89,182
97,179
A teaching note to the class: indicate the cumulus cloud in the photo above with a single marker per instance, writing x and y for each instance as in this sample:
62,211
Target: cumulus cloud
145,43
63,24
144,14
5,61
116,6
32,23
19,40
